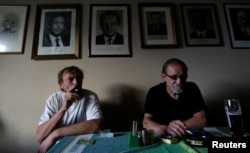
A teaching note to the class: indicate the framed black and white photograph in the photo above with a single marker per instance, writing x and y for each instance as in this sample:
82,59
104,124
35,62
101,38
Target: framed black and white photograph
109,34
57,32
238,21
157,25
201,25
13,26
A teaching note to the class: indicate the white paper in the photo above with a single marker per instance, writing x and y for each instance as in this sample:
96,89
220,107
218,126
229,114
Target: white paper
216,132
73,147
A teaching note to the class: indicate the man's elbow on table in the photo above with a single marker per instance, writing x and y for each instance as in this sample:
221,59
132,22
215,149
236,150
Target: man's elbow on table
39,135
39,139
202,120
96,125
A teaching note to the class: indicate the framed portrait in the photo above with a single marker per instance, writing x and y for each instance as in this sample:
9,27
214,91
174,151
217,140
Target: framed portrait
157,25
201,25
238,21
57,32
13,26
109,34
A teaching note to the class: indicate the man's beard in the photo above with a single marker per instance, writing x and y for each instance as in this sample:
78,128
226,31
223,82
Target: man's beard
178,89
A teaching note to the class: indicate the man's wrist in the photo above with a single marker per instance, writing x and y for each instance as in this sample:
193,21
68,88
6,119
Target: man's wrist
54,135
62,110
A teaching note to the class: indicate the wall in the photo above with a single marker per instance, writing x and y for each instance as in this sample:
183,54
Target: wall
121,83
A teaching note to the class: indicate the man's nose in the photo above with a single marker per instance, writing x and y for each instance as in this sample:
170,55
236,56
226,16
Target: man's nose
75,81
178,80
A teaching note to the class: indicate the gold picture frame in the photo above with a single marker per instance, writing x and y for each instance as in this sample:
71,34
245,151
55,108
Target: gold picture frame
57,20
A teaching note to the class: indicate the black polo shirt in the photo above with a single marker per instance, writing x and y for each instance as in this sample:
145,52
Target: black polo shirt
165,109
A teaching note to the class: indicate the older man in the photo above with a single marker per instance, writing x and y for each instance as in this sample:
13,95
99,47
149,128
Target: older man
175,105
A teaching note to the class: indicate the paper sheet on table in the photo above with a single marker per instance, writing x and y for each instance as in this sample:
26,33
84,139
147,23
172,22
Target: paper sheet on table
75,147
216,132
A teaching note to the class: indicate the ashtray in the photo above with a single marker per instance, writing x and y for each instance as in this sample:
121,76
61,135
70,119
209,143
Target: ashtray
198,139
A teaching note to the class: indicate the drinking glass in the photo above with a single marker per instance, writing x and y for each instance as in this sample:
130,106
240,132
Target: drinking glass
234,117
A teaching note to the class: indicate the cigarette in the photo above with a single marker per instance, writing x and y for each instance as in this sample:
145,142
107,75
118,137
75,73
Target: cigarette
189,132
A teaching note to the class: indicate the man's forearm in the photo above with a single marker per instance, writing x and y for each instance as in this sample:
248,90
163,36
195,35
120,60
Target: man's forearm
86,127
148,123
198,120
46,128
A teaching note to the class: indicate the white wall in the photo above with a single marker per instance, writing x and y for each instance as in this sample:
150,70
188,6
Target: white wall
25,84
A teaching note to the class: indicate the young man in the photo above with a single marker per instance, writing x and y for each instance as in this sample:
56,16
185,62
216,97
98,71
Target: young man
175,105
71,111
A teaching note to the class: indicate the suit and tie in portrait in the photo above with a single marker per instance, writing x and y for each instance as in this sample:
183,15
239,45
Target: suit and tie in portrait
160,29
242,34
63,40
118,39
208,33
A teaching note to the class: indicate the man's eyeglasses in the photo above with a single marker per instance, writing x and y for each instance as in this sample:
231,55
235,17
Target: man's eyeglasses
175,77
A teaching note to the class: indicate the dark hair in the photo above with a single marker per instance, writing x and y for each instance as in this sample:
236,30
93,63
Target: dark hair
103,15
72,70
175,61
55,15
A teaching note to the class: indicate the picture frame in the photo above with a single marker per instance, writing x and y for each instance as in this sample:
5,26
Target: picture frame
238,28
109,34
157,25
13,19
57,32
201,25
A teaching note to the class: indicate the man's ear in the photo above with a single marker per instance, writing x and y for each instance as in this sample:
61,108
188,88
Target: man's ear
163,76
60,85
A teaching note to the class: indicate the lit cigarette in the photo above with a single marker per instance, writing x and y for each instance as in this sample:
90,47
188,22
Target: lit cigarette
189,132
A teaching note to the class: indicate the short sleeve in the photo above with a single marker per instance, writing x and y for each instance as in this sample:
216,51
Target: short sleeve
93,109
51,107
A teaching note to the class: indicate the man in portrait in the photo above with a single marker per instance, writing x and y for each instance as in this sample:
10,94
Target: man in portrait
157,24
56,35
199,21
241,24
9,24
110,22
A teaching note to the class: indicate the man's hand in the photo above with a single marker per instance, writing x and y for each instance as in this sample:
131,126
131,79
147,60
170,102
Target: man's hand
69,98
176,128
